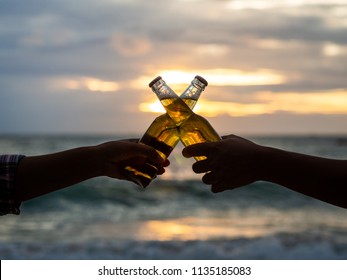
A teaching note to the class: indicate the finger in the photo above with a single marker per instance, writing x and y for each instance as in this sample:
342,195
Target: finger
142,150
201,166
209,178
154,156
200,149
161,170
143,167
166,163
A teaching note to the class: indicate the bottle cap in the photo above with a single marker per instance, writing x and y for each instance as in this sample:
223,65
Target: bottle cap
154,81
201,79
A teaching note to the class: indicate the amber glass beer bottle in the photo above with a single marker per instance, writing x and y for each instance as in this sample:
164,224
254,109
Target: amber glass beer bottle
163,134
192,128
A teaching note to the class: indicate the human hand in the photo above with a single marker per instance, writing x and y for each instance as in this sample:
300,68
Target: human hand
115,155
230,163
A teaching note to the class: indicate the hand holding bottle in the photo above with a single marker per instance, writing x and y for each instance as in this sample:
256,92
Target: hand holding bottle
163,134
192,128
39,175
230,163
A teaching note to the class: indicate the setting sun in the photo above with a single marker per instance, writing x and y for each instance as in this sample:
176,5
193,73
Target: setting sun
153,107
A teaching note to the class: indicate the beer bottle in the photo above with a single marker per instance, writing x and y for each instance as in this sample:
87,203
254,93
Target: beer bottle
162,134
192,128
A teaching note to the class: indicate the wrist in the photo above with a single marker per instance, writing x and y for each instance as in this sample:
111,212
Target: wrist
276,163
265,163
97,160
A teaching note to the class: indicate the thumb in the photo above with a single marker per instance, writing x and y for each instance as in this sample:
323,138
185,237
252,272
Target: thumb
149,152
200,149
142,150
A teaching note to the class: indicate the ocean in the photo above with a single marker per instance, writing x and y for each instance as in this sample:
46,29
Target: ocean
176,217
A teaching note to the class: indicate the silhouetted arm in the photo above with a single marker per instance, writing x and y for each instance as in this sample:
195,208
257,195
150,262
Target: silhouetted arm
38,175
235,162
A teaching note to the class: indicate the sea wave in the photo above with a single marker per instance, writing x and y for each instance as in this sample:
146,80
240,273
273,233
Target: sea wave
279,246
176,217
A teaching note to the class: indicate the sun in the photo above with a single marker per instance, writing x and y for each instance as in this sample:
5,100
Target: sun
152,107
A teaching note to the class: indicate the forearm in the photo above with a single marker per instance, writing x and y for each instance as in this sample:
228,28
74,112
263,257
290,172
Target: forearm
39,175
322,178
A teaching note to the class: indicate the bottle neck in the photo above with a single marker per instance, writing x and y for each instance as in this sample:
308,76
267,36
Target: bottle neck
175,107
191,95
162,90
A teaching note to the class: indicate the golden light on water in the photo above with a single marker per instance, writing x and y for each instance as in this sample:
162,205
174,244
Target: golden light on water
193,228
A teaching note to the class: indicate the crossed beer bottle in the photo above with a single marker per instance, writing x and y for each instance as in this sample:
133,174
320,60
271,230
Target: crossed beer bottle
179,123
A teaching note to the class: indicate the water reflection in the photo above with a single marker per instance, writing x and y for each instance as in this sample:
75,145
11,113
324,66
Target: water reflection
195,228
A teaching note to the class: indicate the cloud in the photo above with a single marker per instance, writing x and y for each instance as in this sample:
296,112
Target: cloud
54,53
218,77
130,45
331,49
90,84
262,103
281,4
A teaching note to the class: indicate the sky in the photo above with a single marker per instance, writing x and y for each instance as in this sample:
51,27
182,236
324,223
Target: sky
82,66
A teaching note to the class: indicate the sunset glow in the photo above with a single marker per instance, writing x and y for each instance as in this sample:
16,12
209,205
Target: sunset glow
192,228
332,102
153,107
91,84
330,49
264,61
216,77
271,4
225,77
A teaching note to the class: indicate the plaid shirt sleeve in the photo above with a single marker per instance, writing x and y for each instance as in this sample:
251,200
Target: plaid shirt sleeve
8,168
